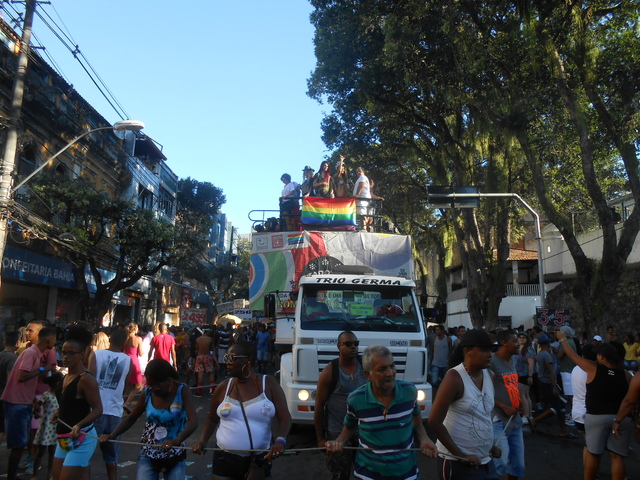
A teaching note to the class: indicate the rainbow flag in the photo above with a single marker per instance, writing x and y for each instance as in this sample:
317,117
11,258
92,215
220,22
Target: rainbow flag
295,238
328,211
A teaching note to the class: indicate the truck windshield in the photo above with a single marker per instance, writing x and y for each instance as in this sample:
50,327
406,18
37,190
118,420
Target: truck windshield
390,309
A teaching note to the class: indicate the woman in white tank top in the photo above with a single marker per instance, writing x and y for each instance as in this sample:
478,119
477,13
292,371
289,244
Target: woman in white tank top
461,415
245,405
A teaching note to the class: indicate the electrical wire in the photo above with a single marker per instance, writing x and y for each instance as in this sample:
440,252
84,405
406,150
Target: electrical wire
74,49
68,42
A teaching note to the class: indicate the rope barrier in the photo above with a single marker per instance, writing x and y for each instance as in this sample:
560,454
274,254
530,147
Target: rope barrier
217,449
135,395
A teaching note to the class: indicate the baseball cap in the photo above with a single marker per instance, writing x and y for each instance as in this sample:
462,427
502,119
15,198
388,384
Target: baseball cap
597,338
543,338
308,167
476,338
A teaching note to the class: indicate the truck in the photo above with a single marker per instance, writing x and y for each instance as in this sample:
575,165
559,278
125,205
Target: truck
317,284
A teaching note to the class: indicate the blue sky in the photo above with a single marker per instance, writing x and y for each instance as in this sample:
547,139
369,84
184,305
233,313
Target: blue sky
221,85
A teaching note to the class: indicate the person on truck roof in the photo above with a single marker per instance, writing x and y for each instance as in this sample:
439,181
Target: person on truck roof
306,187
289,202
338,379
322,182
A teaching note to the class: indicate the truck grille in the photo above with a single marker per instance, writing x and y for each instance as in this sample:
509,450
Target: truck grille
399,356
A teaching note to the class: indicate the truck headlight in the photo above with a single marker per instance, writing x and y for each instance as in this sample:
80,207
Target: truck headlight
421,395
303,395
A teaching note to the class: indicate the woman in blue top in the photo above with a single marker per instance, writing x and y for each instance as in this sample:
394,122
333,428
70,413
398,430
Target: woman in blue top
171,418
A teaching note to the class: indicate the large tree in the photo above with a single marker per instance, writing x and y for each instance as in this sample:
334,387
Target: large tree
397,108
118,242
510,97
197,204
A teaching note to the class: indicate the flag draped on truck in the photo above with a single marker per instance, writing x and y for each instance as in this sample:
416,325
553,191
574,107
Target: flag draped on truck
278,260
332,212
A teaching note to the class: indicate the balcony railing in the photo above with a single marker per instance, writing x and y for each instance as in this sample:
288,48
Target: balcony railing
526,290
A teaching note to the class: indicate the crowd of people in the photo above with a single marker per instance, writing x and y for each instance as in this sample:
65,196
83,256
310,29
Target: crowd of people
64,392
492,386
584,384
327,184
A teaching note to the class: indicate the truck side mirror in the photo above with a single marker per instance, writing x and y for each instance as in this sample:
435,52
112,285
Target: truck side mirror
424,298
293,296
270,306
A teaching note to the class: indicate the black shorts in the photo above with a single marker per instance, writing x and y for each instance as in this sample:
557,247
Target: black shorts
546,393
229,465
287,206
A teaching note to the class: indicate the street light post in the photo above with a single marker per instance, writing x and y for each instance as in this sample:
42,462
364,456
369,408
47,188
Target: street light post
536,218
123,125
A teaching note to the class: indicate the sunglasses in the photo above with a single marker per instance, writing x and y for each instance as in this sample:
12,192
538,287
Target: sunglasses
230,357
155,388
351,344
68,353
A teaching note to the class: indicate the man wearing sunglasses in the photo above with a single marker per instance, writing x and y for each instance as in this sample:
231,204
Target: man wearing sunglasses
337,380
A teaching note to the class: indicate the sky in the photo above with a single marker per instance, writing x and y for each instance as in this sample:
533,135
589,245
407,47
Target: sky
220,85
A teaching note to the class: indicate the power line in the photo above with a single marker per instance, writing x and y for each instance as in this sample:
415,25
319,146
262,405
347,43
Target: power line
68,42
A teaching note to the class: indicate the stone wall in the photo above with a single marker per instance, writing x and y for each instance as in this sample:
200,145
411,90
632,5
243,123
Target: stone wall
625,307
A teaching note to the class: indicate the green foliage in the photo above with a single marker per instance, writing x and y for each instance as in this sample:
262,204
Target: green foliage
107,233
525,97
197,204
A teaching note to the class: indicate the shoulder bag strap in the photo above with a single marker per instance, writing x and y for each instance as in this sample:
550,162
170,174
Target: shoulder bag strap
245,421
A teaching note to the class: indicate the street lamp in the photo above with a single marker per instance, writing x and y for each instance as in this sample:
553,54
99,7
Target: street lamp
123,125
438,194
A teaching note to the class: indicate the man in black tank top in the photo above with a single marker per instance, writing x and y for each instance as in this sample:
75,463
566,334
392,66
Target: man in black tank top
336,382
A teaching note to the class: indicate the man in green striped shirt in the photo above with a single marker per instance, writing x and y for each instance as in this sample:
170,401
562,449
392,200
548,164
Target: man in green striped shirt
386,416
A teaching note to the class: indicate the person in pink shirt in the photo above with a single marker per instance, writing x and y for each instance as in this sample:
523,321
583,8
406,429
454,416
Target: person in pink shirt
19,394
163,346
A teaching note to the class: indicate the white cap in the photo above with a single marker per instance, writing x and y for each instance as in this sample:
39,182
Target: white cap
597,338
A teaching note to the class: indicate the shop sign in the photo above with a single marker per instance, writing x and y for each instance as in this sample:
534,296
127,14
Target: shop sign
193,316
242,313
31,267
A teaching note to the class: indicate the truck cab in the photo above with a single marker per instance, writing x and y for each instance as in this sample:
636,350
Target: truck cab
379,310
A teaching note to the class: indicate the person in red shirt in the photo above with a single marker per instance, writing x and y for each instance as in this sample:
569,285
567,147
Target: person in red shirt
19,394
163,346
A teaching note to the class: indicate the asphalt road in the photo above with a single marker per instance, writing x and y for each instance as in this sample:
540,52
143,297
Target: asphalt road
547,456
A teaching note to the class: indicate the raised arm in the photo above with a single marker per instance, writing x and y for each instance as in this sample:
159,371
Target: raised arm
587,365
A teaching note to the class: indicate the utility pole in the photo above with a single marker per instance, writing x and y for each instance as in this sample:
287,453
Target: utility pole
11,142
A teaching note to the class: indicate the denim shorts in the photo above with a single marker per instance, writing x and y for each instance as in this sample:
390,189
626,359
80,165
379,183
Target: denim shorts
107,424
147,471
17,422
512,446
80,456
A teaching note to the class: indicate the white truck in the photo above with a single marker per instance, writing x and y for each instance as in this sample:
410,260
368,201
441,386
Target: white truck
318,284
